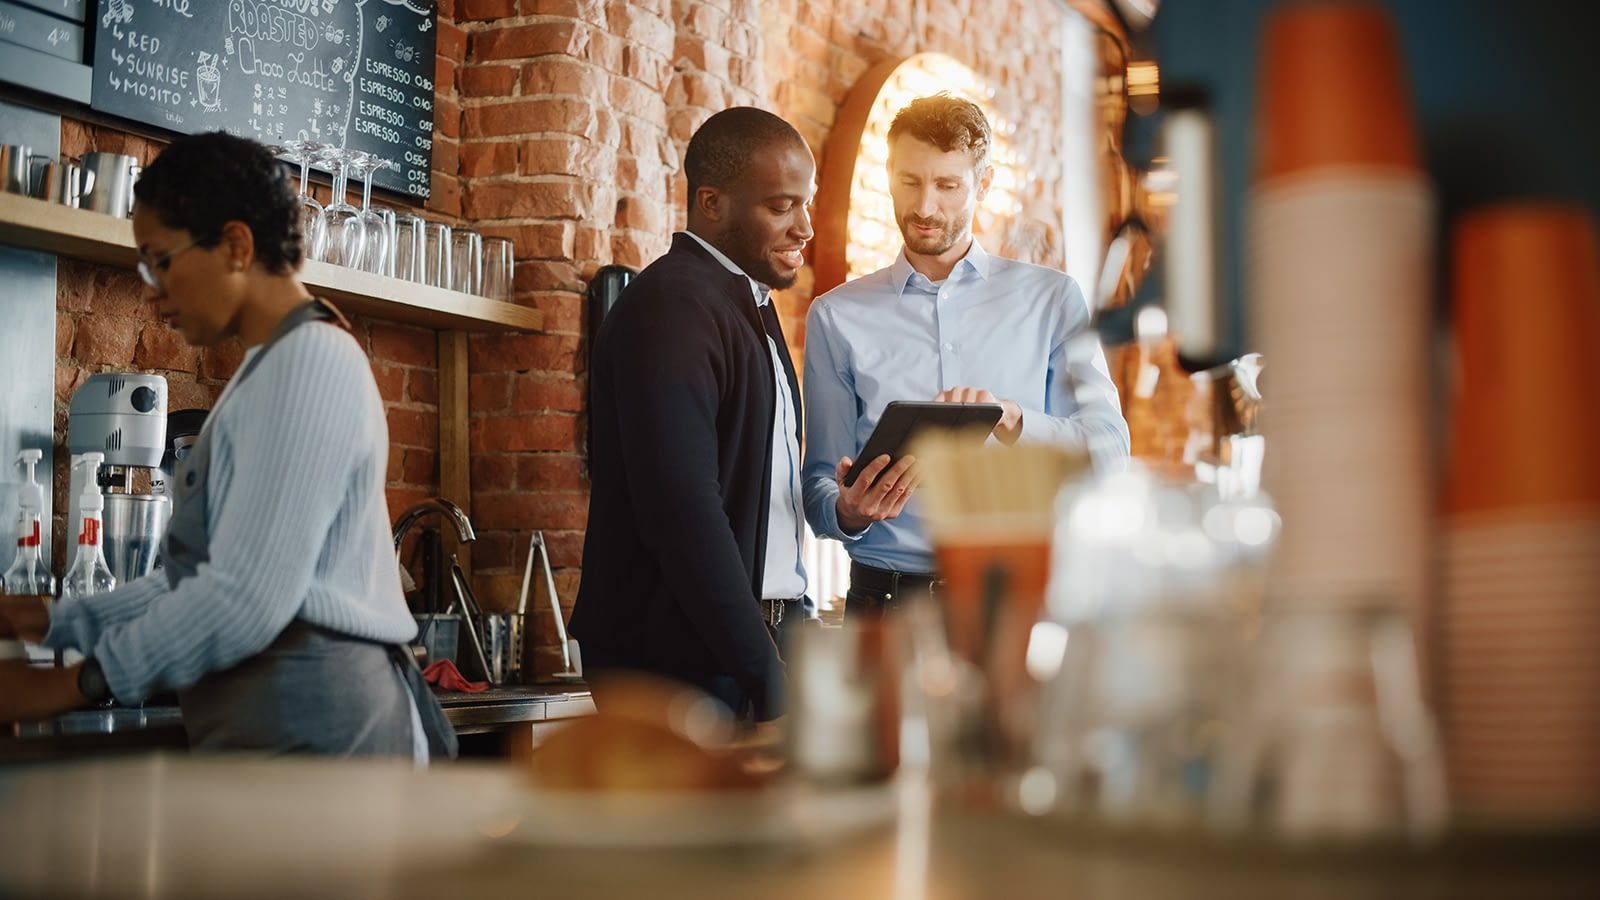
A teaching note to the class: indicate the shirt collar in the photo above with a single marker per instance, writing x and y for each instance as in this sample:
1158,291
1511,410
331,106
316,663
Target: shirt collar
762,292
976,259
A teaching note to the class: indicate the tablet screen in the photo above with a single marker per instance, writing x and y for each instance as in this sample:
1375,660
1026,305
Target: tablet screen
902,420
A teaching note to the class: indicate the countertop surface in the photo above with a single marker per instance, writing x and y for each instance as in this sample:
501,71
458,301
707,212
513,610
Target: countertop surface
169,826
154,727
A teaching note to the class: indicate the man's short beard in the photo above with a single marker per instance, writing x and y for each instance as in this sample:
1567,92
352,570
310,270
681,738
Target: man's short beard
940,243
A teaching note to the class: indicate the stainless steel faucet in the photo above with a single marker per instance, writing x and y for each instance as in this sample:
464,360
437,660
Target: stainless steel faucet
464,600
437,506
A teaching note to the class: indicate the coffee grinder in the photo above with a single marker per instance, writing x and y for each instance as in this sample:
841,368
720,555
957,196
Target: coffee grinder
124,416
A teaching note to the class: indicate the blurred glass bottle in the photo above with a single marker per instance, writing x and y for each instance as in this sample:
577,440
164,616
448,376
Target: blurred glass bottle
29,575
1141,700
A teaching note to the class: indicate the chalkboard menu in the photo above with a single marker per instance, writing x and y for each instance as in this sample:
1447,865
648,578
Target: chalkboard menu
350,73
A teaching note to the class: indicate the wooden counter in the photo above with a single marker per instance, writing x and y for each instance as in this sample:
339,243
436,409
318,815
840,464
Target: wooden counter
177,827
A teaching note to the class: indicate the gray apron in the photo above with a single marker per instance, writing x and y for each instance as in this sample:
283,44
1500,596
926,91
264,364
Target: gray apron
313,690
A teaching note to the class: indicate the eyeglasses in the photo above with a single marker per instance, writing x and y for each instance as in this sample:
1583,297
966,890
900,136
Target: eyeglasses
149,267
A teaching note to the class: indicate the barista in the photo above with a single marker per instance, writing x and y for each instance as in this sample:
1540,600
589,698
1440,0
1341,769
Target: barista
279,618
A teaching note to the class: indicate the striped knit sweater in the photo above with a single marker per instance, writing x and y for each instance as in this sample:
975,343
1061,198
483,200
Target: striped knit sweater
299,528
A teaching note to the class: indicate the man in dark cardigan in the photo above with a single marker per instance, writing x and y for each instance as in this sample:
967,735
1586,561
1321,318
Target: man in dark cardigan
692,556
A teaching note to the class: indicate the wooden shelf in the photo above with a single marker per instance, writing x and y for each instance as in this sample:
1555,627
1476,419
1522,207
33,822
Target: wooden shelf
80,234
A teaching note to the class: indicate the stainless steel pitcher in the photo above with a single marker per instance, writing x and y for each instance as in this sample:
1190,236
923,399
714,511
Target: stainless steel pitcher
61,181
16,168
112,190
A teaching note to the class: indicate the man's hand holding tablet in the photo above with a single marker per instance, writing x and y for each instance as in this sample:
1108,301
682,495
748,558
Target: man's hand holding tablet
888,477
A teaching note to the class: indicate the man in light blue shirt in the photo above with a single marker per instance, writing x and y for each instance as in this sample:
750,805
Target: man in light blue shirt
947,322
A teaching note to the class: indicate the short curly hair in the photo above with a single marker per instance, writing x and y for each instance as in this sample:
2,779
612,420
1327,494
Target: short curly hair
201,182
721,149
947,122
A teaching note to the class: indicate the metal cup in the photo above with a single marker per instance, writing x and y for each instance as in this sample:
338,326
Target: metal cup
16,168
61,181
112,190
134,172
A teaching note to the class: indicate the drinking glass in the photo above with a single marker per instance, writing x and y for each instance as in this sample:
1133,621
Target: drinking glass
410,247
312,230
466,261
1337,741
499,269
437,268
346,231
376,246
391,237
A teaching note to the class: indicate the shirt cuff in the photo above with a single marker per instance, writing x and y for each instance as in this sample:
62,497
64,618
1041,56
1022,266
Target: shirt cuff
70,626
127,685
835,530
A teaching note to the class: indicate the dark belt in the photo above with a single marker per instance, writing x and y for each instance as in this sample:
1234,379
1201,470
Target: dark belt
774,611
874,590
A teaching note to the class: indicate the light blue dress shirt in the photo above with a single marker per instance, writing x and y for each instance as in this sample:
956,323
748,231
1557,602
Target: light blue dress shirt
995,324
784,576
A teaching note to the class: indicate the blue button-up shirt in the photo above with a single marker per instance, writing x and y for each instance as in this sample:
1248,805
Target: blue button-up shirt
995,324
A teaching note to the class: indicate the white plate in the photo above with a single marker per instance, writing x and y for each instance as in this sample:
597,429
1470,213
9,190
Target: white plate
789,815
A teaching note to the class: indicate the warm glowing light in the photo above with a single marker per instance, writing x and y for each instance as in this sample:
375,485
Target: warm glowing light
1161,183
1144,86
874,236
1144,78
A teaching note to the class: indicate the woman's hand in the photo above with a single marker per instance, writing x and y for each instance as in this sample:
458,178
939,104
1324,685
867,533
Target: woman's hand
35,692
24,616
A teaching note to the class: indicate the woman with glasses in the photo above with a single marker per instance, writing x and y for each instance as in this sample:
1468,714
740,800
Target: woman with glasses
278,616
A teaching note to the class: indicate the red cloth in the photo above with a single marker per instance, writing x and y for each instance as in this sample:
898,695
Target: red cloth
444,675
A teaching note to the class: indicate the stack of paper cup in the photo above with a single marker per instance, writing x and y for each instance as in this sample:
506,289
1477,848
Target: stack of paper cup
1519,622
1338,275
1339,249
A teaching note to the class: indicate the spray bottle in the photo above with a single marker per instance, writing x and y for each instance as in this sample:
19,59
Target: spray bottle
29,575
88,574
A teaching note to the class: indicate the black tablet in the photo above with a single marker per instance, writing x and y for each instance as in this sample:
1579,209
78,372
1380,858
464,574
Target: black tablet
902,420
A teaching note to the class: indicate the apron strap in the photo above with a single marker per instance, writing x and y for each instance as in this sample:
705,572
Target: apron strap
442,743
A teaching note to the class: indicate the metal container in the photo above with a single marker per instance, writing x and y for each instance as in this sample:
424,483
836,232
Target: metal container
439,634
134,172
502,647
1223,436
113,183
16,168
64,182
134,526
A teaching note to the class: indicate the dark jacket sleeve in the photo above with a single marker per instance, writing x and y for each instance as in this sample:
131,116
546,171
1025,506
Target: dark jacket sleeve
666,376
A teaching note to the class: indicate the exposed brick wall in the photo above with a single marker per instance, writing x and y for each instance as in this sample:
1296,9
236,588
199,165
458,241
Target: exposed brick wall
575,116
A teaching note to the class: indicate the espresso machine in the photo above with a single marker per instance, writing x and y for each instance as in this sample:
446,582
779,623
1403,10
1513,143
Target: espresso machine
124,416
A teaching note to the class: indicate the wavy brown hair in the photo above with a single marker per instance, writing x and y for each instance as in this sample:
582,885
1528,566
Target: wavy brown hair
949,123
